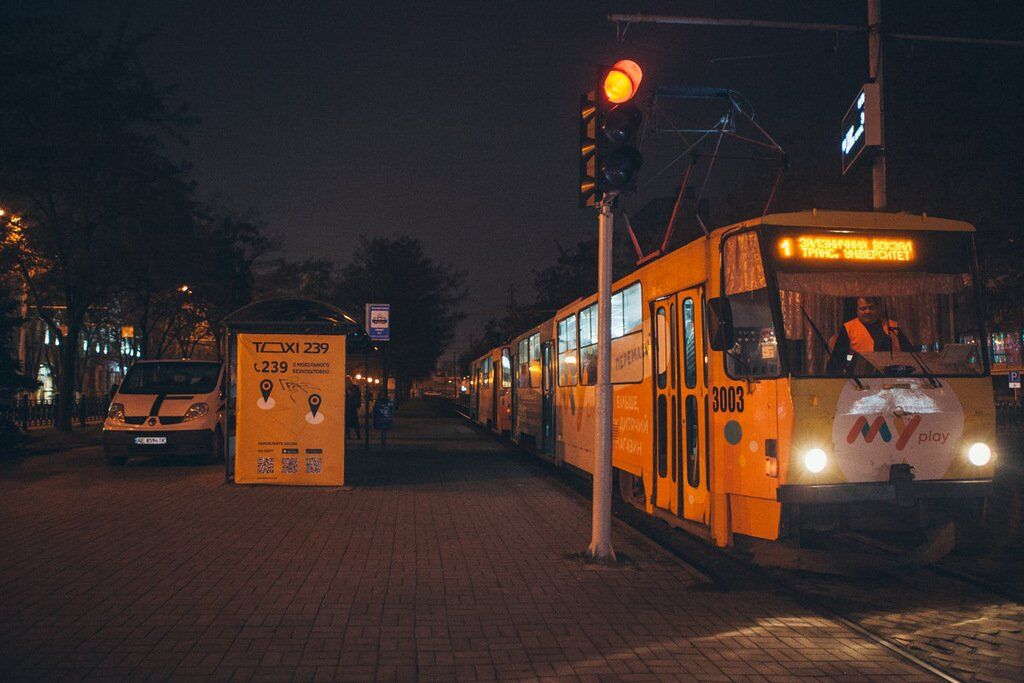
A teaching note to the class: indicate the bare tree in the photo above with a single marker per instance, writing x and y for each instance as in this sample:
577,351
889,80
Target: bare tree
85,166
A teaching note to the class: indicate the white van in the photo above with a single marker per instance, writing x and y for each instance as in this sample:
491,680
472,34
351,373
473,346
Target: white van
167,407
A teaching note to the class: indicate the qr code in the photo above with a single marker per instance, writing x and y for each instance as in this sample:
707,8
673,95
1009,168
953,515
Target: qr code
264,465
289,465
314,465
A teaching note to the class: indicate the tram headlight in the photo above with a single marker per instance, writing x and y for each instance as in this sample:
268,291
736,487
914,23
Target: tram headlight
814,460
979,454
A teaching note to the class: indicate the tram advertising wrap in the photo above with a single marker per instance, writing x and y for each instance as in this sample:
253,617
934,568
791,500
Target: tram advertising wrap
778,379
291,410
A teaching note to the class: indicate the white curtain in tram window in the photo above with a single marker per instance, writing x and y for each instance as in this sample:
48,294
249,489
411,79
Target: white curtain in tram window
849,284
917,316
743,269
914,300
825,311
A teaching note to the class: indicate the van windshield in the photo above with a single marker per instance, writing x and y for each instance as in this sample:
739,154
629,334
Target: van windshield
171,377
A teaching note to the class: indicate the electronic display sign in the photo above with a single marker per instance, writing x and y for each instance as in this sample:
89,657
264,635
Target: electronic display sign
846,248
862,125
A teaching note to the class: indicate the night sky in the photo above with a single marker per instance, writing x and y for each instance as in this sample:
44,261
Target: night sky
456,121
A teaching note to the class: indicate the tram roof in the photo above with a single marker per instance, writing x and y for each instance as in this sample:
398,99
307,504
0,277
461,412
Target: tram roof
876,220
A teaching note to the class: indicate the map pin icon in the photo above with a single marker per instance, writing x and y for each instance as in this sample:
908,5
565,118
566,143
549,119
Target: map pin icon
314,403
265,386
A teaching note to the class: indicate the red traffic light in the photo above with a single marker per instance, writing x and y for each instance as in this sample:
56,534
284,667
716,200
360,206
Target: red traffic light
622,81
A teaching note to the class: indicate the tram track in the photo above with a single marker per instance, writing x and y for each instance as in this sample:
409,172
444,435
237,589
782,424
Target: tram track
723,570
910,616
978,582
734,573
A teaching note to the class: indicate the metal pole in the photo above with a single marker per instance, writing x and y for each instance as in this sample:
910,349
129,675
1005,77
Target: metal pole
878,198
366,393
601,540
734,23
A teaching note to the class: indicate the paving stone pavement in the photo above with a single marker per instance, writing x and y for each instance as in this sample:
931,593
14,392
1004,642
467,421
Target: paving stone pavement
446,559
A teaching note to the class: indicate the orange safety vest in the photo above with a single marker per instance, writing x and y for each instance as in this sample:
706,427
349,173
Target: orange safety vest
861,340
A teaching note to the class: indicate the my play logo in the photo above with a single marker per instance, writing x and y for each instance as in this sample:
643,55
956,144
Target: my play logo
879,427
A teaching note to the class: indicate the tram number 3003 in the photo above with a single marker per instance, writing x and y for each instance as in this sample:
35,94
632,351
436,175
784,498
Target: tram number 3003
727,399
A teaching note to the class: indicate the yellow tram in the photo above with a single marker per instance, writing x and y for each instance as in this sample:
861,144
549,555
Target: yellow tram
490,399
774,369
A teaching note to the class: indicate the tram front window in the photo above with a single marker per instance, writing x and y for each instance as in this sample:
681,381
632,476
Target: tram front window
869,304
755,351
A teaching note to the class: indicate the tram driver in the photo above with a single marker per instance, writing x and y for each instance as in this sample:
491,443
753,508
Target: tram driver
866,333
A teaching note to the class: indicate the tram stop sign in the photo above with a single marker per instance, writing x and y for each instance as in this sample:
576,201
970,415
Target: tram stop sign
378,322
1015,379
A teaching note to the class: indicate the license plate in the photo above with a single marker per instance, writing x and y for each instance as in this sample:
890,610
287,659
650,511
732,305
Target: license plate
150,440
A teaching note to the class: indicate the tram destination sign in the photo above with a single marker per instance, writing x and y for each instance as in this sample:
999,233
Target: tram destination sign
862,125
846,248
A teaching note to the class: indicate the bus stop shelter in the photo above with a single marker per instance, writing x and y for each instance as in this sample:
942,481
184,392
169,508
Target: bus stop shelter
285,392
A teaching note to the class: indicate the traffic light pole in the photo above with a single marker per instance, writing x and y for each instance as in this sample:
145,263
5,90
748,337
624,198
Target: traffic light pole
878,195
601,538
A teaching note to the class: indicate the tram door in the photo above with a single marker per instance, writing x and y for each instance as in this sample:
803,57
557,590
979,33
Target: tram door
474,396
666,406
495,389
679,415
514,389
693,391
547,399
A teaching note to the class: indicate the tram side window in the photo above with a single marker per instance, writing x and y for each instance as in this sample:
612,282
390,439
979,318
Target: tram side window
523,358
689,346
755,353
485,373
627,311
627,335
534,341
506,369
568,363
588,345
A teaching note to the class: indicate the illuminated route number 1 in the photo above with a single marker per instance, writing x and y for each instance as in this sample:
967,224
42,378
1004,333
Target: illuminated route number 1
727,399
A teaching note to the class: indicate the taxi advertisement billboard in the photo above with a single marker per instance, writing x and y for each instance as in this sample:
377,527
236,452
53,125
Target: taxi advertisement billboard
290,414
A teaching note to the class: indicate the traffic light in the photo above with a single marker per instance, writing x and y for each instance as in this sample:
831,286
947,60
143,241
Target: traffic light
609,123
588,149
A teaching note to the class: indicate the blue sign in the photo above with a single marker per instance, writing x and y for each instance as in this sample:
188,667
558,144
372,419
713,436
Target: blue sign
378,322
862,125
1015,379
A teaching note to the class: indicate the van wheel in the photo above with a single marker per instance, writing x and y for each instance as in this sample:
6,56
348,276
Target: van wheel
117,460
217,452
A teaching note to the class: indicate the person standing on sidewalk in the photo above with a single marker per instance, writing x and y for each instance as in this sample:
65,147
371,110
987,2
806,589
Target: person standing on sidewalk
352,398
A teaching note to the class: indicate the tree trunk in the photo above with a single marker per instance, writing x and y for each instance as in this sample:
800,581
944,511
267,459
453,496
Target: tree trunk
143,347
68,374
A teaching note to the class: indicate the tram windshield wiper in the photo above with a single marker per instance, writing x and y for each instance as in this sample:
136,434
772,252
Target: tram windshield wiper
932,379
894,334
848,367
